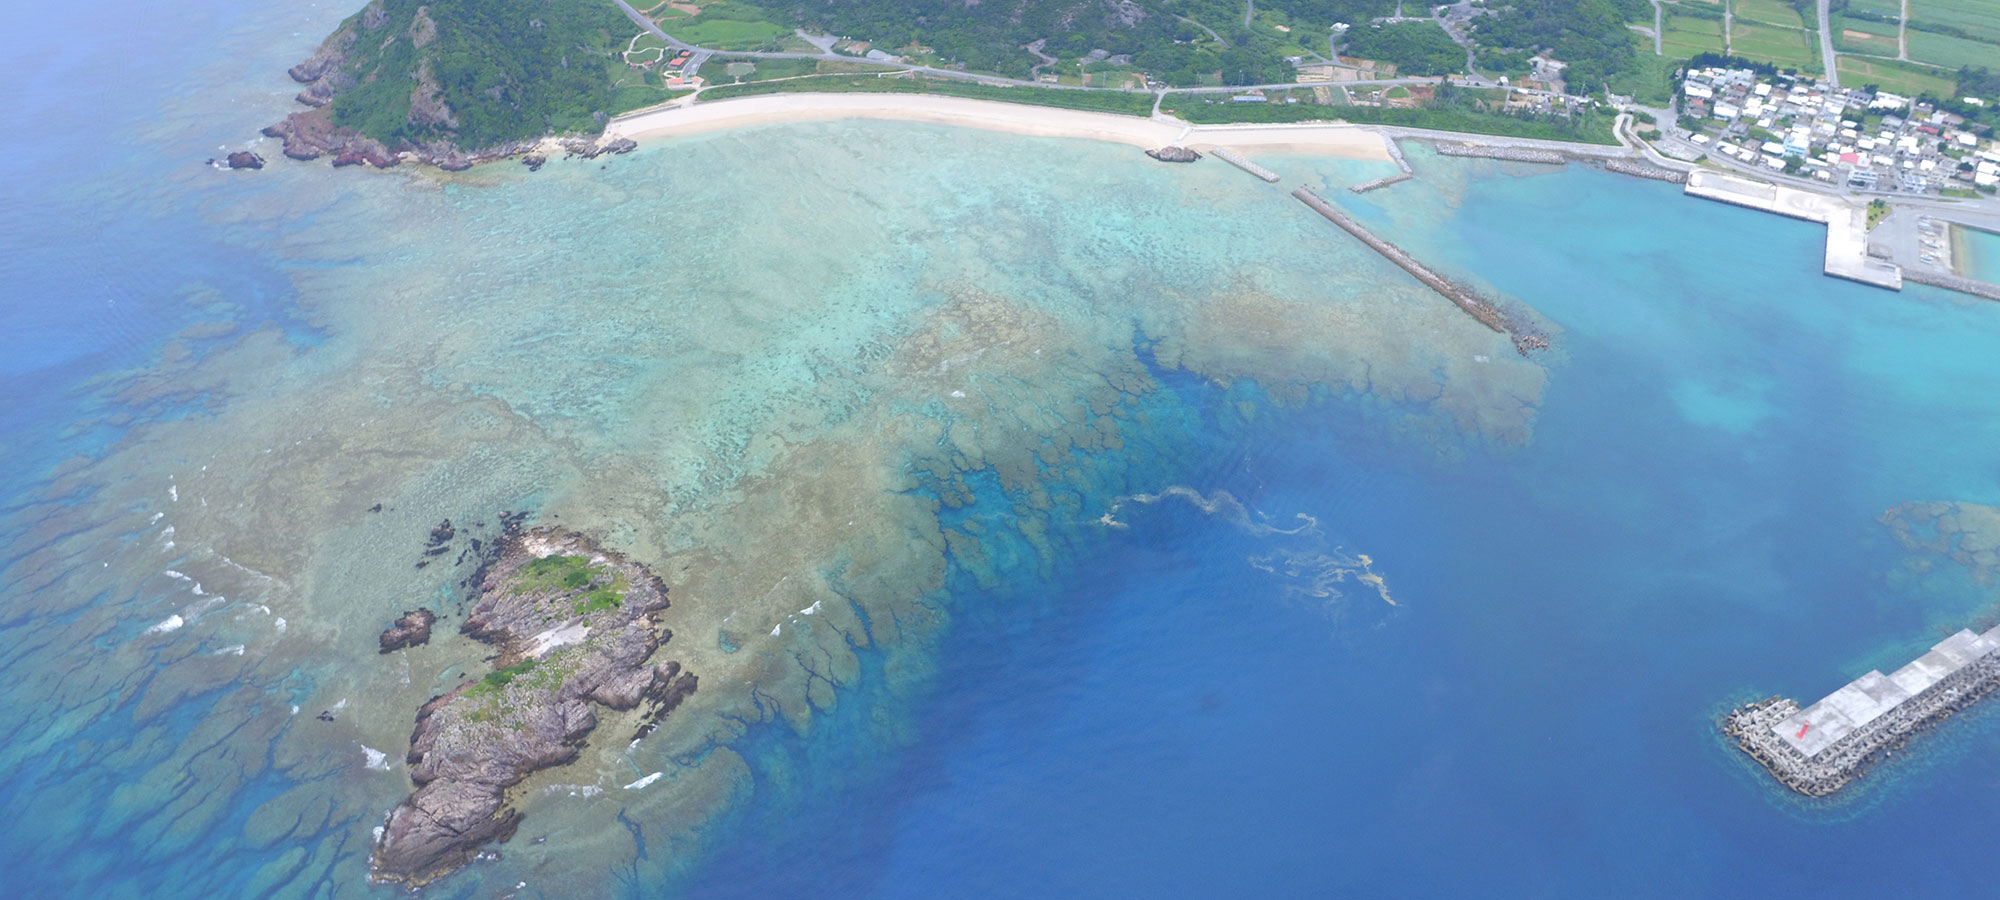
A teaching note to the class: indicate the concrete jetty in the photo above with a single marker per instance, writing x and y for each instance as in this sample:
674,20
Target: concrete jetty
1526,338
1235,159
1820,749
1402,166
1846,223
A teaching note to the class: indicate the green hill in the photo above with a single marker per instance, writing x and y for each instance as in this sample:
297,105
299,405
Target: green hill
474,73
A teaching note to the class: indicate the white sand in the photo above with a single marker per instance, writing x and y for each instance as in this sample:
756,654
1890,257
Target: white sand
1347,141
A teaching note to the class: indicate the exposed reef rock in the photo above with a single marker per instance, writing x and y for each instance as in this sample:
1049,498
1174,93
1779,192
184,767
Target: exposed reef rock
410,630
575,626
244,159
1174,154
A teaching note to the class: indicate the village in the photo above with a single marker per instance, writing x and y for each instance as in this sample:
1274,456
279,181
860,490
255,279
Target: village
1868,141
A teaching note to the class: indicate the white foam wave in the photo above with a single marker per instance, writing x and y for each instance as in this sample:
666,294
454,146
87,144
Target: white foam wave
279,624
174,491
177,576
167,624
231,650
644,781
377,760
811,609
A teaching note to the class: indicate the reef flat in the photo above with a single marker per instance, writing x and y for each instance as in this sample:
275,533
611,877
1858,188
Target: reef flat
576,626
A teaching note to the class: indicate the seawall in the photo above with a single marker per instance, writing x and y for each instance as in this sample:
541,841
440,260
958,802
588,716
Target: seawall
1822,748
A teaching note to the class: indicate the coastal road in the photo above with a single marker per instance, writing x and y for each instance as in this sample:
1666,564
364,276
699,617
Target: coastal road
639,18
1826,39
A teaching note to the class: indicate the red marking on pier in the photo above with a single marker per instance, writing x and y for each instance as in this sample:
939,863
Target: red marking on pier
1802,731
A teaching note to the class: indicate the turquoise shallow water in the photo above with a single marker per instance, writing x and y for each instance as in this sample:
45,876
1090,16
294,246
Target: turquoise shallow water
1980,251
1023,504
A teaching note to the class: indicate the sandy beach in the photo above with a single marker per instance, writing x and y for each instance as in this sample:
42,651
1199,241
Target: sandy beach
1348,141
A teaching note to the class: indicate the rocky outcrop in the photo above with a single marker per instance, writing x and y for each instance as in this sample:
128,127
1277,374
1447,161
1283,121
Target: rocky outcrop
244,159
1174,154
411,629
576,628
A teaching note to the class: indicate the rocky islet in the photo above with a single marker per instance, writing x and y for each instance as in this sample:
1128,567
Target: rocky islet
576,628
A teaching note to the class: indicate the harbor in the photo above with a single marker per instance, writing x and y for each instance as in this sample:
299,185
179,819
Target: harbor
1846,222
1822,748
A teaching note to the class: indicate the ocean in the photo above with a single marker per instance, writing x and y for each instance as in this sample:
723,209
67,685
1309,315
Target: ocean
1040,520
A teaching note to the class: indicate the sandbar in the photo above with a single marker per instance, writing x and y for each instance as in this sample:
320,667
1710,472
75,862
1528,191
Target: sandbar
1347,141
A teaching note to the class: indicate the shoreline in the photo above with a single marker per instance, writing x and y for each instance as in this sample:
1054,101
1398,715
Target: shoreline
1344,140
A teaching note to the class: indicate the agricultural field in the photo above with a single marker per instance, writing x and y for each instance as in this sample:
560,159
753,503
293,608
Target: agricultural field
1895,77
1952,52
1878,7
1686,36
1979,18
1772,12
1863,36
1787,48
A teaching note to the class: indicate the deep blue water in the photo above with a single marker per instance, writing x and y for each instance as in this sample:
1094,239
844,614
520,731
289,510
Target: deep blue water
1691,526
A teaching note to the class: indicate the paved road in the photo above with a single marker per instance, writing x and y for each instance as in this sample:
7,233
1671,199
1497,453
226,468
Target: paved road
1826,41
640,19
1659,26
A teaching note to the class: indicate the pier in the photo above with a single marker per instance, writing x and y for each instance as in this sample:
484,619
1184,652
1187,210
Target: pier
1525,338
1822,748
1846,223
1235,159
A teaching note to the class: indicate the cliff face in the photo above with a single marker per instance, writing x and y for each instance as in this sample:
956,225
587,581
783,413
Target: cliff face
575,628
454,82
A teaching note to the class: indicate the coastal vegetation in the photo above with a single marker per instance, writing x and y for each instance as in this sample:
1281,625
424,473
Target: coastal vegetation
1416,48
1448,109
1127,103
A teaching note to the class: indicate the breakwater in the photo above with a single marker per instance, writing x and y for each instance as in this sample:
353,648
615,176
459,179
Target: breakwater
1525,338
1235,159
1822,748
1493,151
1953,282
1639,169
1402,167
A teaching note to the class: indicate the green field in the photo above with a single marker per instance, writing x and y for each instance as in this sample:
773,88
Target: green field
1788,48
1981,18
1687,36
1952,52
1772,11
1895,77
727,26
1878,7
1863,36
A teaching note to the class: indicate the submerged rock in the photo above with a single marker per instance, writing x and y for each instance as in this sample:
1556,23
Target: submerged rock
412,629
576,628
